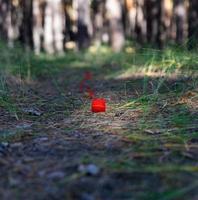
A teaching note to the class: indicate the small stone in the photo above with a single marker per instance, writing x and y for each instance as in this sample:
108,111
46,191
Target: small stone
41,139
4,144
56,175
23,126
16,145
32,111
90,169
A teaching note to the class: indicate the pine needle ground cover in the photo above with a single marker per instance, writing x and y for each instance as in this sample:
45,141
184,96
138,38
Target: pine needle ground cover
144,146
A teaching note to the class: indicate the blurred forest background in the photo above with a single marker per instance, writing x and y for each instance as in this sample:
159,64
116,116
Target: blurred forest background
55,25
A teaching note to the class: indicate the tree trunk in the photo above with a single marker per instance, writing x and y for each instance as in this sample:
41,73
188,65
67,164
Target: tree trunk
168,18
163,19
4,9
141,21
10,21
69,34
152,14
98,20
160,39
114,12
131,14
158,15
26,28
38,21
13,23
180,20
84,25
193,24
54,21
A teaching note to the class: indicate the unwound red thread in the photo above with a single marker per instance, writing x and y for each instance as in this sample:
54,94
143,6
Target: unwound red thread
87,76
98,104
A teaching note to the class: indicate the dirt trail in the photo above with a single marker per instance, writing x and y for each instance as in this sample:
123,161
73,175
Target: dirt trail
63,151
42,158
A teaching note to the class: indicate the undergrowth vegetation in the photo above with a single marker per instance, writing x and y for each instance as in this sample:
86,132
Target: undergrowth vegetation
156,69
26,65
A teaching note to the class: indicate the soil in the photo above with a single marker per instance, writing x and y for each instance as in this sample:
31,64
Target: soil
48,150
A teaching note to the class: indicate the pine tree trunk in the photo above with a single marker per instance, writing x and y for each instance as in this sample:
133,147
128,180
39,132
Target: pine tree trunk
160,34
180,20
163,23
54,21
152,20
141,21
98,21
131,14
193,24
114,12
3,14
84,25
26,27
38,9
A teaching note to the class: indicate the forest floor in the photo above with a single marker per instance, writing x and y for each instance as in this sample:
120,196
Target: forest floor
145,146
